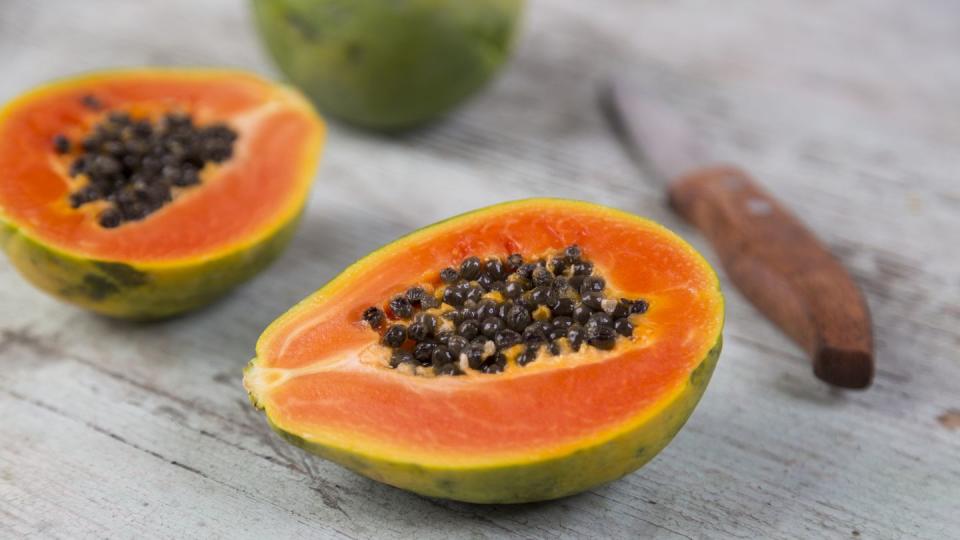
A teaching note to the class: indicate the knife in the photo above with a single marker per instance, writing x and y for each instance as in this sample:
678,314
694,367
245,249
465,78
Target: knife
778,264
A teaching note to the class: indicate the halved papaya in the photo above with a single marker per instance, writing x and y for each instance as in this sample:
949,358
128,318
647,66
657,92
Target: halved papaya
407,367
145,193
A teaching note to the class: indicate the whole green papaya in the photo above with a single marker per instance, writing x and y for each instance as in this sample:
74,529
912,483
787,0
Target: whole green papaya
388,64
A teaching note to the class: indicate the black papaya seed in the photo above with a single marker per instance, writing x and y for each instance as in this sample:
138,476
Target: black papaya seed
400,356
374,316
415,294
490,326
512,290
575,282
621,309
593,300
602,337
78,166
441,355
487,308
486,282
526,301
557,265
401,307
418,332
537,332
470,268
428,301
83,195
541,326
623,327
395,335
518,318
428,321
592,283
110,218
600,318
564,306
581,313
454,315
555,333
560,285
474,294
542,277
469,328
507,338
456,344
493,268
575,336
526,270
581,268
468,312
448,368
475,356
91,102
449,275
491,367
503,309
453,296
526,284
543,296
494,364
534,336
562,322
528,355
423,352
61,144
444,337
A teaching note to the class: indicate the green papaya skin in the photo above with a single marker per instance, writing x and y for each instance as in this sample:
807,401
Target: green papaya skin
388,65
139,292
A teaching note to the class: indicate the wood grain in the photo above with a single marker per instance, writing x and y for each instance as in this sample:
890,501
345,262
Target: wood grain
783,270
846,111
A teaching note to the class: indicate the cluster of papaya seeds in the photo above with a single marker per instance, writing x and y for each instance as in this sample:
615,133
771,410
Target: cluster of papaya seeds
487,313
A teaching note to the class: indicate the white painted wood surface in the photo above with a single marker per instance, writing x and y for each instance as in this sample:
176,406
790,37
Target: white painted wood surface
847,110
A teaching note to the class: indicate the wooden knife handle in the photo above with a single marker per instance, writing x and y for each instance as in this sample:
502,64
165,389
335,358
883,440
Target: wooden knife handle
783,269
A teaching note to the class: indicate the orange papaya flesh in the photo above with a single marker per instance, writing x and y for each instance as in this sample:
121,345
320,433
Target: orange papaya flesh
551,428
206,240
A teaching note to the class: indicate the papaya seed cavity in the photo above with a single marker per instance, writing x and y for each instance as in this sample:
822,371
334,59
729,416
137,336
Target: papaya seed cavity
487,313
136,165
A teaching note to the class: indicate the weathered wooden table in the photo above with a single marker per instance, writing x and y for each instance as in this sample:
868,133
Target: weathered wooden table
847,110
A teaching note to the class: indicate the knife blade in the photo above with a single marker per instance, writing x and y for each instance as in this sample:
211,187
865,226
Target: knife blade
767,252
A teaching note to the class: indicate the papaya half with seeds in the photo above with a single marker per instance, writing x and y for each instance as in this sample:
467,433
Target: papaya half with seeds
522,352
146,193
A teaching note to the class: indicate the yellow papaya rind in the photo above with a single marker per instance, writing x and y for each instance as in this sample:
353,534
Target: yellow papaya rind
140,291
560,476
